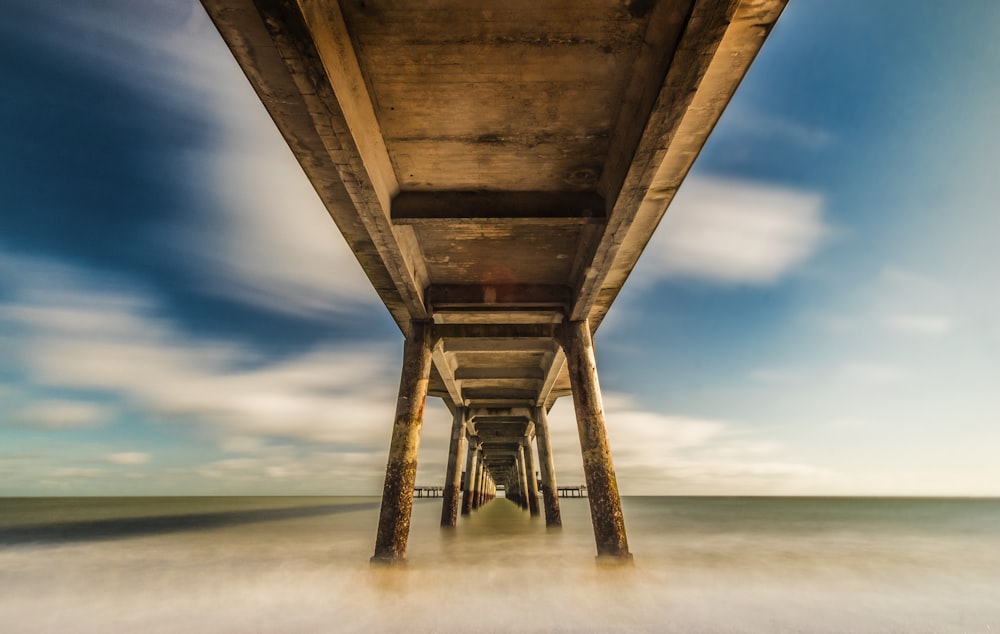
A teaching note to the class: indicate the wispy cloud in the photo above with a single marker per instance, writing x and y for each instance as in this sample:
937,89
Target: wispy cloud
76,334
927,325
734,232
776,376
765,127
61,414
129,458
267,239
869,373
662,453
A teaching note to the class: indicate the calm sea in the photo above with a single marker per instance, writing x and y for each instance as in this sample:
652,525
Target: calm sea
301,565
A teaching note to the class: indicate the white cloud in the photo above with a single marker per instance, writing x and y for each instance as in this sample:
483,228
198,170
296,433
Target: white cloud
928,325
129,458
873,373
765,127
61,414
734,232
77,472
77,334
658,453
268,241
776,376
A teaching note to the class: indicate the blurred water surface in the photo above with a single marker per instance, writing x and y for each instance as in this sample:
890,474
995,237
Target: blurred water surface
301,565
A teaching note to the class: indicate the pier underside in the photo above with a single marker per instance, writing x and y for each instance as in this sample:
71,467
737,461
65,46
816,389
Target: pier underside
497,169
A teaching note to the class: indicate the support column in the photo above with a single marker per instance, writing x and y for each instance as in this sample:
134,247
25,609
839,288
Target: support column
529,466
602,487
471,464
522,473
477,483
550,491
482,484
453,474
401,467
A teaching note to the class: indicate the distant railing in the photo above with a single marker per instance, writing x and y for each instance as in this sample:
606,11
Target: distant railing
428,492
573,492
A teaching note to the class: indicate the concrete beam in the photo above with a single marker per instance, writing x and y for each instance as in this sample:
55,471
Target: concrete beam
499,373
447,373
552,373
719,41
509,296
484,207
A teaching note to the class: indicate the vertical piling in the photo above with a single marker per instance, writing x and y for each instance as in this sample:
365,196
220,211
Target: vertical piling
482,483
477,482
522,472
602,487
529,466
550,491
401,467
471,464
453,474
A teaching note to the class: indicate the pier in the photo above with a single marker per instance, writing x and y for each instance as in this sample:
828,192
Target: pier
428,492
497,169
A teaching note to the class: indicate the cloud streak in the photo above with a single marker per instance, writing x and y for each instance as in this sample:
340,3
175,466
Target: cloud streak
734,232
265,238
656,454
76,334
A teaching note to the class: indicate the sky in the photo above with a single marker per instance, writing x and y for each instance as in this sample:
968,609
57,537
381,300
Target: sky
818,313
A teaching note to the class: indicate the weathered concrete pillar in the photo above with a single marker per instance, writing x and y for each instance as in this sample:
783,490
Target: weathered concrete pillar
529,466
401,467
471,464
522,468
547,468
453,474
482,485
477,482
602,487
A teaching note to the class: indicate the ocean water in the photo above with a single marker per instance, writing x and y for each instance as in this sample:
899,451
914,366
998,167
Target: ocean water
301,565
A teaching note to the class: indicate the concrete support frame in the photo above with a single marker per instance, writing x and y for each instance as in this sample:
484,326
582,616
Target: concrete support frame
529,467
471,464
602,487
547,469
453,474
401,467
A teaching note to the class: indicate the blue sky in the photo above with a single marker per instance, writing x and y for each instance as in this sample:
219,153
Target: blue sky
817,314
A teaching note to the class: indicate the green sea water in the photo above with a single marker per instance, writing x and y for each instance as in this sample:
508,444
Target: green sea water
301,565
